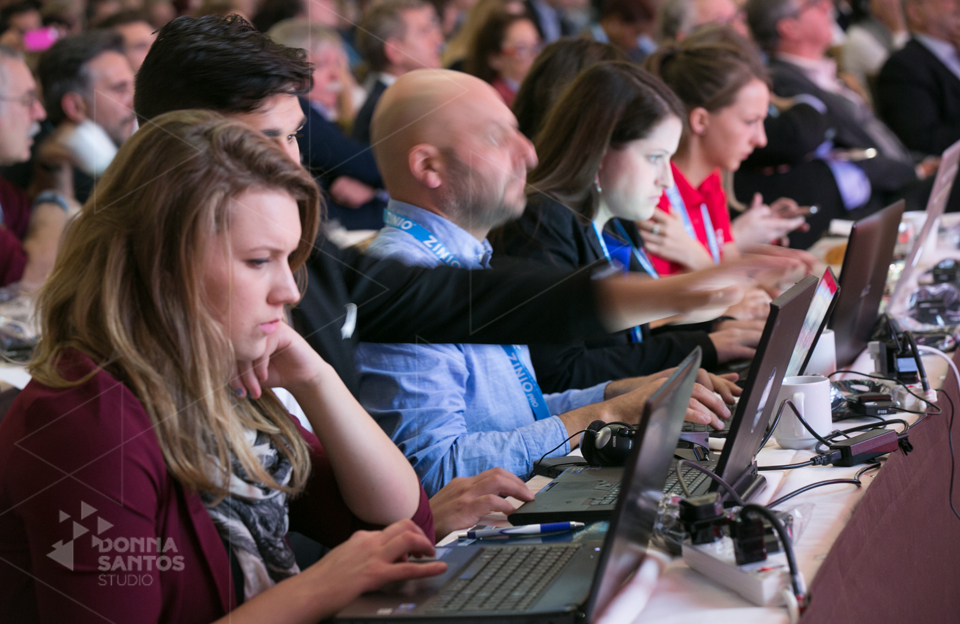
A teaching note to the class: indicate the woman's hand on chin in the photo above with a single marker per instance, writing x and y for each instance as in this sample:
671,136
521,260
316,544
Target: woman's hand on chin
287,362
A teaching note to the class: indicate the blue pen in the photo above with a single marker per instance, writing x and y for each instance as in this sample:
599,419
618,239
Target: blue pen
528,529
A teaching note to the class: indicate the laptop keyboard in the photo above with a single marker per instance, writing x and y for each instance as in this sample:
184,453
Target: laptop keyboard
691,476
503,578
702,428
610,498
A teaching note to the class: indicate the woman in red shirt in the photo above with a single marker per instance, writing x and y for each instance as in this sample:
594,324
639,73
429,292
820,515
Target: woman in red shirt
724,86
147,473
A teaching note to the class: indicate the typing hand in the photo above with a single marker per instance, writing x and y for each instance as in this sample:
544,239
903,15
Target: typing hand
724,385
706,408
755,306
463,501
664,235
735,343
369,560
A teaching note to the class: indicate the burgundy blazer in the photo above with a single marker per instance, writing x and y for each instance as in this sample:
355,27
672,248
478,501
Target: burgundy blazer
16,218
85,495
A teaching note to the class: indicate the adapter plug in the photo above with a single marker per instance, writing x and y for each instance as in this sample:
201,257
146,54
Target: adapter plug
864,447
703,518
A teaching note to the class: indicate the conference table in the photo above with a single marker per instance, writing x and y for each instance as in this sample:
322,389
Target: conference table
888,551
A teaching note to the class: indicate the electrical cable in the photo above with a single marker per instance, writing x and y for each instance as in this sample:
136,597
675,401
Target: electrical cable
803,422
953,462
773,427
898,382
786,466
921,371
544,456
716,478
798,590
854,481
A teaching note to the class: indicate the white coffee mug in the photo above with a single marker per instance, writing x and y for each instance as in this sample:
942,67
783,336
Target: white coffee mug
811,395
823,360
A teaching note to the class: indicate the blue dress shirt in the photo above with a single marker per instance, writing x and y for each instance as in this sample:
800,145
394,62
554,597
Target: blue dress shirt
456,410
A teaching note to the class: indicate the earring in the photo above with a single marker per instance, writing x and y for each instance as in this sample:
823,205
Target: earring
597,184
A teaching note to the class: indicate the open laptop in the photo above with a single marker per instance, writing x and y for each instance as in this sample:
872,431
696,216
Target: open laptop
588,493
582,494
824,299
936,204
567,580
862,279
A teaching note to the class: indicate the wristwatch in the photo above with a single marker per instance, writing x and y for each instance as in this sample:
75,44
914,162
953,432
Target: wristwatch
52,197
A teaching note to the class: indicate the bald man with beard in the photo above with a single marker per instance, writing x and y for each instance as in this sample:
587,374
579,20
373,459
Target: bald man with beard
455,166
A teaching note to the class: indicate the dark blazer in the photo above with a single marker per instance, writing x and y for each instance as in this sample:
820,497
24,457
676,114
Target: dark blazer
885,174
919,98
515,302
62,449
361,125
328,153
553,234
785,167
566,26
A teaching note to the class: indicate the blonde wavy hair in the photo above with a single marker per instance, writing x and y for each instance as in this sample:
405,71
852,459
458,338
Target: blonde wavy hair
128,291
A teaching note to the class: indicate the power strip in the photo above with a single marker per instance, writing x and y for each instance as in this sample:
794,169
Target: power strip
762,583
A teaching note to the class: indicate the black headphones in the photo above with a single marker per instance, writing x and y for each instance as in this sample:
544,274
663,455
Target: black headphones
607,444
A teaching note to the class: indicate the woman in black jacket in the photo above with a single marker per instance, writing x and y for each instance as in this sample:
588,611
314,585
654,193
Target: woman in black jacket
604,154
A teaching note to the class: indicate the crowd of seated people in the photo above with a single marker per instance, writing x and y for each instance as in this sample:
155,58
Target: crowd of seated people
563,199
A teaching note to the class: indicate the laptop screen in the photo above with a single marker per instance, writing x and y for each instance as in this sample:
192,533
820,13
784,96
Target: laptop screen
814,323
942,185
787,314
864,275
642,486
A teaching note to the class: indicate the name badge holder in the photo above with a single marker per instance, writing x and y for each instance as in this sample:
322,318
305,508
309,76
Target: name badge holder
676,201
636,334
529,385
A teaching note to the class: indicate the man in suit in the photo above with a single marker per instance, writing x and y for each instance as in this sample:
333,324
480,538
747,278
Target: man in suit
869,164
549,18
395,37
918,91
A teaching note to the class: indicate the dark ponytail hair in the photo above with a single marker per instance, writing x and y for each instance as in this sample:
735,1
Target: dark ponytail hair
708,68
606,107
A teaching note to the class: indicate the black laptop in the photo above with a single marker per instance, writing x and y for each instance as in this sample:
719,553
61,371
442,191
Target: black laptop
587,493
738,461
862,280
572,579
584,494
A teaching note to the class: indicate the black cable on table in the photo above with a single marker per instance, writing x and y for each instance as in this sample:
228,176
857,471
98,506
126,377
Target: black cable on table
953,462
786,466
544,456
854,481
716,478
899,383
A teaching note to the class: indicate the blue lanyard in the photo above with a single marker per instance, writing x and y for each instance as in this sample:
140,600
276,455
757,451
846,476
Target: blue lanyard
635,332
676,200
639,254
528,382
392,219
